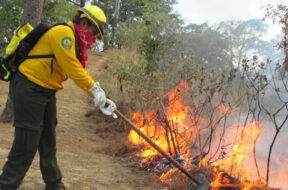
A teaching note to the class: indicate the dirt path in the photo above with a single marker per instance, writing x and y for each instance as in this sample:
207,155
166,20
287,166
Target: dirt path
87,154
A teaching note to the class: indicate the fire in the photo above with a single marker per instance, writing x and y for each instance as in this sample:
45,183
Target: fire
175,129
152,131
238,162
165,137
165,177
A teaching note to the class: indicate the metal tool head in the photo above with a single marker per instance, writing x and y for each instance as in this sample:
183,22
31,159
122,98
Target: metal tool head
204,184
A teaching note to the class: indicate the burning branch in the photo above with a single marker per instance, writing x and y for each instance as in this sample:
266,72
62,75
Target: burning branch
258,87
194,131
169,131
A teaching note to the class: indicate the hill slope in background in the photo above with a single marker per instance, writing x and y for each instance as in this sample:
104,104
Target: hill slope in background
93,152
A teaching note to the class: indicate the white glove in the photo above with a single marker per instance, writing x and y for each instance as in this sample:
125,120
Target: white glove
99,95
109,108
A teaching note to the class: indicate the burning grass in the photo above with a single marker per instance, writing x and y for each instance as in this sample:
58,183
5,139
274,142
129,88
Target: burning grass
211,144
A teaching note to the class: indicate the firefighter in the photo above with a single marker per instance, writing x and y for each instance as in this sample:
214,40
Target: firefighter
33,90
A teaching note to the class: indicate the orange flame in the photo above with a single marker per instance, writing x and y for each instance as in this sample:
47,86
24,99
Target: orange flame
238,163
165,177
175,131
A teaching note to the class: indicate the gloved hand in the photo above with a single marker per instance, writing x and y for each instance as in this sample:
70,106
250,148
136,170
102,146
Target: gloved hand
99,95
106,106
109,108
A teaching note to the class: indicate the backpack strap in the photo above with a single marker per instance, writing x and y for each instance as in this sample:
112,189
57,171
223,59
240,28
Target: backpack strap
49,55
40,56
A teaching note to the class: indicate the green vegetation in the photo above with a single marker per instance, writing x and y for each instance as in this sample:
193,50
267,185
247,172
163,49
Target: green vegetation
152,50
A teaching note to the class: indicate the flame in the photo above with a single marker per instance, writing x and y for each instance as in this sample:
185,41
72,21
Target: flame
238,162
166,177
175,129
177,113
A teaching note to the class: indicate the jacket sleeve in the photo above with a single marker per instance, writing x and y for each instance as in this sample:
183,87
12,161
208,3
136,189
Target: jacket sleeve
62,42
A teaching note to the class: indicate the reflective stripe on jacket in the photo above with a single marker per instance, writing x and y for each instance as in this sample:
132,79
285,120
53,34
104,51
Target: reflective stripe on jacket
59,41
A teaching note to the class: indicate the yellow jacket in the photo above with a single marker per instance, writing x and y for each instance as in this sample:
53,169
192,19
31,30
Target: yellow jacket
59,41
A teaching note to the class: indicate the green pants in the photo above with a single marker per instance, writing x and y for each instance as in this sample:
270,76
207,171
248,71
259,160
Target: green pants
35,122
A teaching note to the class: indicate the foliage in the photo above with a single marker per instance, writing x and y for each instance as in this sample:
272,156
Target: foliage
244,37
135,87
207,46
57,11
155,51
159,39
54,11
279,15
216,63
10,12
130,37
148,26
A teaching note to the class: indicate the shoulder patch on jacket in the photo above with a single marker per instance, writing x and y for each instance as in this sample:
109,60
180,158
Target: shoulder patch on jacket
66,42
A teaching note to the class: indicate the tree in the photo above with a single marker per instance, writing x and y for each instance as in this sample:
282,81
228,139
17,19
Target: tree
82,3
57,11
243,36
130,11
116,20
207,46
278,116
279,15
10,12
32,14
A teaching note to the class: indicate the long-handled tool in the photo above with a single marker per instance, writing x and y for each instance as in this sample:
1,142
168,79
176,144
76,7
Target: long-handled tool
198,182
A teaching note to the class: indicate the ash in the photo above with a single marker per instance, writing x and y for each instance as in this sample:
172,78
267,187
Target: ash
159,165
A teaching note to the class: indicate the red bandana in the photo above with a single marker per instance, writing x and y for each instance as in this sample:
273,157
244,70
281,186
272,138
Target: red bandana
85,40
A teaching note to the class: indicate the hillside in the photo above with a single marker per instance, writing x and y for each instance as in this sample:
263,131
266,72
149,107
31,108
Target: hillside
93,152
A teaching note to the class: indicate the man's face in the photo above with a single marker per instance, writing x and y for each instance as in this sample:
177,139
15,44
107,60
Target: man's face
91,28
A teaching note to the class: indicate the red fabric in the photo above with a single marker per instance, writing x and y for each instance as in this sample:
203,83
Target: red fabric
85,40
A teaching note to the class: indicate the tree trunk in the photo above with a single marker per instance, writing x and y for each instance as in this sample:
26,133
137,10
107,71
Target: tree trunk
285,45
116,20
32,14
82,3
8,113
106,10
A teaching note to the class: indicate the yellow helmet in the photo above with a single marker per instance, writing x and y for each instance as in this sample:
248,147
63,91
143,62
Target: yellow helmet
95,15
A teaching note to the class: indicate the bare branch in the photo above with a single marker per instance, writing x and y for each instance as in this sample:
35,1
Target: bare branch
73,2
